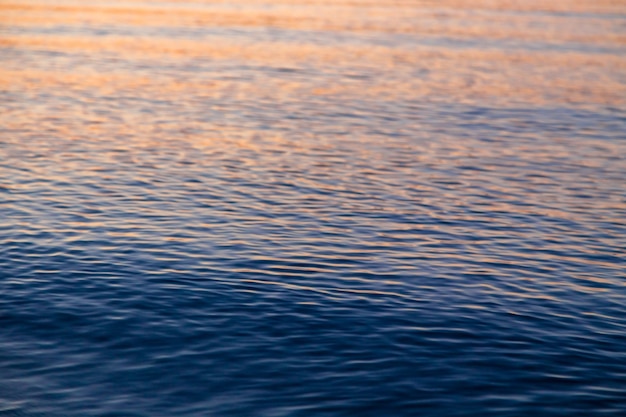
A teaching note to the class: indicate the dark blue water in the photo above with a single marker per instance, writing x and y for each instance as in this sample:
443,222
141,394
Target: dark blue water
207,223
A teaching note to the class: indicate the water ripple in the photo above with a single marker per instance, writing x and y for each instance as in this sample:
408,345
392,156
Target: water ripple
340,209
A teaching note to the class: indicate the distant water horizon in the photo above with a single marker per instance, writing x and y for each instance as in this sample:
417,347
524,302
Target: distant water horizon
280,208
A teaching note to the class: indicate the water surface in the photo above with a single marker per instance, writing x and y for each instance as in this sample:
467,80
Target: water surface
278,208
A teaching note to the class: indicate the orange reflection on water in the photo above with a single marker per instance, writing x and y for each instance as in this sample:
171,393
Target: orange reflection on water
460,19
465,74
474,71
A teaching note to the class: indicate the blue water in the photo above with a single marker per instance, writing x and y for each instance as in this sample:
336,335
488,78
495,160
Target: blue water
243,234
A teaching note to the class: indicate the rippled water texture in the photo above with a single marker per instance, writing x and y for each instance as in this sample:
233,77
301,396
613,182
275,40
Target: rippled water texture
276,208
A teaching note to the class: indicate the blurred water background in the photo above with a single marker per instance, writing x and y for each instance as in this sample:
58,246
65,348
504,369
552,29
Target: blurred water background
285,208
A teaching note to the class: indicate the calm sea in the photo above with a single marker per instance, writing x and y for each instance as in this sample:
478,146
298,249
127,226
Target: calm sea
275,208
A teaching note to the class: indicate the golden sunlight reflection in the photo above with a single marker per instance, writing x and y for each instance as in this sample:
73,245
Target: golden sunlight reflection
117,68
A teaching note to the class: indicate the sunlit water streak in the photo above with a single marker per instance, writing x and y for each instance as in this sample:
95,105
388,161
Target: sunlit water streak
276,208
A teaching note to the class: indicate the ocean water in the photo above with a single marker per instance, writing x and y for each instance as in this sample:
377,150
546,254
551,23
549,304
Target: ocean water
312,208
